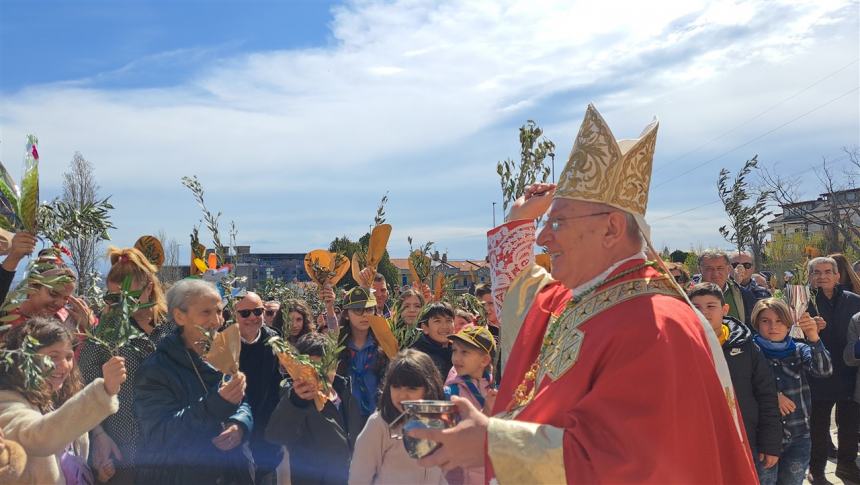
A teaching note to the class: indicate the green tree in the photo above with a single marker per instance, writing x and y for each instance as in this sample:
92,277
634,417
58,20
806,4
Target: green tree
678,256
692,262
532,168
745,209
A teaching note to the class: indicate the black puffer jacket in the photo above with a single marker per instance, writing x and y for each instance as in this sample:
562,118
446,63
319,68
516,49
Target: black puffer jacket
179,410
755,388
440,354
837,312
320,443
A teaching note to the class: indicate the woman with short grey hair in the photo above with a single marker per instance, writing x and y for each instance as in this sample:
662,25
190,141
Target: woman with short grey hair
194,425
184,291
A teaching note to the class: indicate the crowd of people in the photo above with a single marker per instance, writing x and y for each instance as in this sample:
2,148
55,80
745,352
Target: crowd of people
155,411
611,332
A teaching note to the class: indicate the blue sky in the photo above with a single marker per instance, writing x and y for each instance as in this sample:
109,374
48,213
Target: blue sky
297,116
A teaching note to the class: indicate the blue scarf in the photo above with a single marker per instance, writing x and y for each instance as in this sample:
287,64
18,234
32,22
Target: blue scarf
776,350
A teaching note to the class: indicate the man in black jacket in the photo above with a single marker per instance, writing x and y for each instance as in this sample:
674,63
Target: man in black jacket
263,374
836,307
319,442
752,378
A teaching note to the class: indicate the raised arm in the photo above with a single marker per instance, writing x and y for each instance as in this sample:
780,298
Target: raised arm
48,434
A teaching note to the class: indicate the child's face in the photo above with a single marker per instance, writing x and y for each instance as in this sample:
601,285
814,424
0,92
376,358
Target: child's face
400,394
438,328
410,309
360,319
712,309
62,355
468,360
297,322
771,327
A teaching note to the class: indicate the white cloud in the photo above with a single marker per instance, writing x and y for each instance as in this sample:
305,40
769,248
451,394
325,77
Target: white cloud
404,79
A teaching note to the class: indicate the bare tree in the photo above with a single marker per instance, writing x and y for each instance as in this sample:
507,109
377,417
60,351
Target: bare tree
838,218
80,190
169,272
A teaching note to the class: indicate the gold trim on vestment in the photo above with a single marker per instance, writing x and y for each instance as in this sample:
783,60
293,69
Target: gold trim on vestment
564,352
524,452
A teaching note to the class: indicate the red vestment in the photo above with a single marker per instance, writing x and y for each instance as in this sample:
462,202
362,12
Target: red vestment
640,402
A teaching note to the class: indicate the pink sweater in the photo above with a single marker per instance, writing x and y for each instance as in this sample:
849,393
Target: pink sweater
380,459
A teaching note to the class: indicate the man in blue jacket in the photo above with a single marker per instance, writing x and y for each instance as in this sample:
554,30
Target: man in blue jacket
194,426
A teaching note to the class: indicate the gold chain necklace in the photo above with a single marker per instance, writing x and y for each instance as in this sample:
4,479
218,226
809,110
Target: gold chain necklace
525,392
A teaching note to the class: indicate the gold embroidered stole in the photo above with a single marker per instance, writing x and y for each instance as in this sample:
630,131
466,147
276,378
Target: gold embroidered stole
563,353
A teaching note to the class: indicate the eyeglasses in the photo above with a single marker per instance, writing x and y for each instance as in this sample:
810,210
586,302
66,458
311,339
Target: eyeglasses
554,223
111,298
270,313
745,265
362,311
247,313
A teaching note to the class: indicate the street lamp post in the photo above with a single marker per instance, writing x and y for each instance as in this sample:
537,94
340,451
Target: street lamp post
494,214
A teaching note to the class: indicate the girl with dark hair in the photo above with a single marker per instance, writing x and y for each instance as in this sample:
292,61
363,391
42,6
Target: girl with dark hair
362,359
293,320
378,458
51,418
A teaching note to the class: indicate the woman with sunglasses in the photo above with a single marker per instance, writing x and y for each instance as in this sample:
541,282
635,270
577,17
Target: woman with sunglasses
114,442
362,359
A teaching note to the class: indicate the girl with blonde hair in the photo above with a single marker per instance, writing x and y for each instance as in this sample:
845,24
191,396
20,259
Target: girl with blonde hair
115,440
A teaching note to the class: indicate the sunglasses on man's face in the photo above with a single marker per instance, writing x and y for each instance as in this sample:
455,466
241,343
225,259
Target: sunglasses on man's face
111,298
247,313
270,313
745,265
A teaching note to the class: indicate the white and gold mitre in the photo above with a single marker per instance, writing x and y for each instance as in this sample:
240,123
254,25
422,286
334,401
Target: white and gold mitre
606,171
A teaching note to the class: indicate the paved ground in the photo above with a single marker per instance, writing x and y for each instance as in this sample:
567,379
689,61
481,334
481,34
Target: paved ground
830,469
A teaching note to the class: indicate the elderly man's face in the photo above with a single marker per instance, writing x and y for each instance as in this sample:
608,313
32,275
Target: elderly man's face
249,315
715,270
743,267
572,236
761,281
824,276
